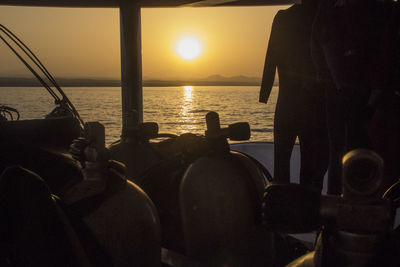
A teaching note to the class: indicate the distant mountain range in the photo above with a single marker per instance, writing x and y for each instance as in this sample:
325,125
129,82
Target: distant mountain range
214,80
211,80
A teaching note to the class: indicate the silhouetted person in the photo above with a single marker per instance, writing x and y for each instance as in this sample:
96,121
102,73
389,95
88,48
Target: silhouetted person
384,130
300,110
345,40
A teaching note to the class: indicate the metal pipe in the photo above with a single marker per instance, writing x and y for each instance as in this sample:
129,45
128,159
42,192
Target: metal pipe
131,59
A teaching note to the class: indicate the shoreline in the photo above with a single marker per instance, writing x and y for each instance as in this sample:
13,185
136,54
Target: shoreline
65,82
145,84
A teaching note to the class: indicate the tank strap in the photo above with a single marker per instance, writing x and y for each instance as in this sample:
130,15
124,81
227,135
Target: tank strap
115,183
96,254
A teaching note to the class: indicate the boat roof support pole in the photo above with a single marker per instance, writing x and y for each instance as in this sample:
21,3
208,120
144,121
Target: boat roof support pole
131,61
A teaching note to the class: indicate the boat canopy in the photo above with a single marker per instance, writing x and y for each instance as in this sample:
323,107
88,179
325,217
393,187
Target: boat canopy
144,3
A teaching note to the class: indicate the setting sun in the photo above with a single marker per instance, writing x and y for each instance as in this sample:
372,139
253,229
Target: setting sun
188,48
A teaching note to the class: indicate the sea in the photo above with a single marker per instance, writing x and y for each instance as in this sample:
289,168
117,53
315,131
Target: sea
177,109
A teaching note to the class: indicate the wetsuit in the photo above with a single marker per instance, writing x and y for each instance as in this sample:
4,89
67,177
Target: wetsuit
345,39
300,110
384,130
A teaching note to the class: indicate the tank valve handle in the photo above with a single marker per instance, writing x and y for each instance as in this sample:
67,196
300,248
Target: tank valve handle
239,131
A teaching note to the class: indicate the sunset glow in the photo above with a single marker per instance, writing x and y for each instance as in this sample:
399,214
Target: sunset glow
177,43
189,48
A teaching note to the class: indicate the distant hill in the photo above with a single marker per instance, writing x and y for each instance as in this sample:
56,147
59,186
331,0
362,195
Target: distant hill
213,80
234,79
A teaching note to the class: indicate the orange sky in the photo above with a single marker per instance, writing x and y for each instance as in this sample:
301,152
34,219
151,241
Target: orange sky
85,42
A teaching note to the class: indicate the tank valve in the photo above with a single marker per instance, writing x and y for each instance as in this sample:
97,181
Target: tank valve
90,150
239,131
362,173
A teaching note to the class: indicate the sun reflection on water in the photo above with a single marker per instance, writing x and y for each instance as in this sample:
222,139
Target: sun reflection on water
188,121
188,93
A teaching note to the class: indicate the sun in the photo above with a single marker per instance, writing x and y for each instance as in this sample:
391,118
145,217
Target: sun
188,48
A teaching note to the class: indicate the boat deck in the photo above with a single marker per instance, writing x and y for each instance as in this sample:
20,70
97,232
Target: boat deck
264,153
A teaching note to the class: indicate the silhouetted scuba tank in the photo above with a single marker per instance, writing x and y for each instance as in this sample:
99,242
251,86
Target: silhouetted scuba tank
119,215
220,199
356,226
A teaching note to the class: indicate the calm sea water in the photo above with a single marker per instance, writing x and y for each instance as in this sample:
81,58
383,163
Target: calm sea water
176,109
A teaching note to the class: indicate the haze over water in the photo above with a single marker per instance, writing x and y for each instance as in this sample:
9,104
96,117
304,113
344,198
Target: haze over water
177,110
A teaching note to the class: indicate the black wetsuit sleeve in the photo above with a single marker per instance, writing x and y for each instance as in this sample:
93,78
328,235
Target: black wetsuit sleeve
270,63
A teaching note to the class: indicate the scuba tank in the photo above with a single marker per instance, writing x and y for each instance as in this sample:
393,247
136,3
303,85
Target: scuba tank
220,196
356,227
118,214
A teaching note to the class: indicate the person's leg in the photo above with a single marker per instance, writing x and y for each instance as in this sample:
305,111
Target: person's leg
337,144
306,157
358,118
314,144
284,139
